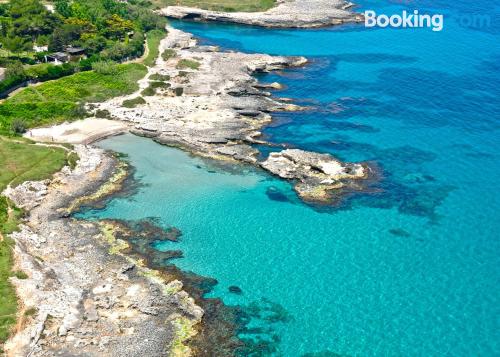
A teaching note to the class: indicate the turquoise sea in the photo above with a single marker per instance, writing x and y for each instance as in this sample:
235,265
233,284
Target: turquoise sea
411,269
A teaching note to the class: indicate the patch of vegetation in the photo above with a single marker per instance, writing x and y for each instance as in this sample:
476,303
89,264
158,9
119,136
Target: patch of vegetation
64,99
134,102
105,67
221,5
31,311
19,161
168,54
187,63
153,38
20,275
153,86
148,92
72,160
109,30
159,84
159,77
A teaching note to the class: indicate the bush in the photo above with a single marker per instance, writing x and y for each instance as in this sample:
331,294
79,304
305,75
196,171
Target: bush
21,275
132,103
15,69
179,91
158,84
44,72
159,77
102,113
18,126
148,92
187,63
105,67
168,54
72,160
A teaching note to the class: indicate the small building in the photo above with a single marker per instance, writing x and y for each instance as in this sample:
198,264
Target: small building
57,58
39,49
75,53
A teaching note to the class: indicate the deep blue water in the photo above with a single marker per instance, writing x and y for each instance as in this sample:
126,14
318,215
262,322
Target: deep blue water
412,269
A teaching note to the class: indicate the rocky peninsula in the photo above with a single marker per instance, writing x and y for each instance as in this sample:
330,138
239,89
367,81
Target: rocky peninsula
217,109
287,14
81,296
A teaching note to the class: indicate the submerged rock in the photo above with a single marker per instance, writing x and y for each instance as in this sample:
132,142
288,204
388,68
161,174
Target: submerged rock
235,290
399,232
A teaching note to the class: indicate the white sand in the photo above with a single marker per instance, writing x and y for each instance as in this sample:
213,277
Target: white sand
78,132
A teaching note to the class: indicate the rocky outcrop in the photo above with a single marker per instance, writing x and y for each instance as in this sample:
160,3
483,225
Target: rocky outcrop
221,112
316,175
82,296
287,14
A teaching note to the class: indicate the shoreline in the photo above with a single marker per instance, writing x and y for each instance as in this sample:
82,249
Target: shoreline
218,114
218,110
286,14
83,294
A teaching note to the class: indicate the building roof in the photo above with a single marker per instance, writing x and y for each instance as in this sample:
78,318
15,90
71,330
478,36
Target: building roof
58,55
74,50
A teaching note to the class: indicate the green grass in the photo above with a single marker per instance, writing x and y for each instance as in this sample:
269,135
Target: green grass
187,63
60,100
221,5
19,161
153,39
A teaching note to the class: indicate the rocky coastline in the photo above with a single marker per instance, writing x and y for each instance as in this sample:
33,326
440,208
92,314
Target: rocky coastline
82,296
218,109
287,14
93,290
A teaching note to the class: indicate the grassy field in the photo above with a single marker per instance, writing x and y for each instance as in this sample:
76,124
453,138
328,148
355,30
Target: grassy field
153,39
19,161
221,5
62,99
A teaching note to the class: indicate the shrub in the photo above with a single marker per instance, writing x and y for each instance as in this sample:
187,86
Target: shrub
159,84
72,159
132,103
159,77
168,54
21,275
148,92
105,67
31,311
18,126
179,91
187,63
102,113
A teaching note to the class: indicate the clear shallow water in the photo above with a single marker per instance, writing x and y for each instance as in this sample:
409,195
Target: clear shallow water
413,270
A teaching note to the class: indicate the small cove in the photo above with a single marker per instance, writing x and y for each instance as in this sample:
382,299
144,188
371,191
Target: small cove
411,271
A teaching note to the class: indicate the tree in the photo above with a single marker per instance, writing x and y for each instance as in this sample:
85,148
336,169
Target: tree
29,18
118,27
63,8
16,70
17,44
